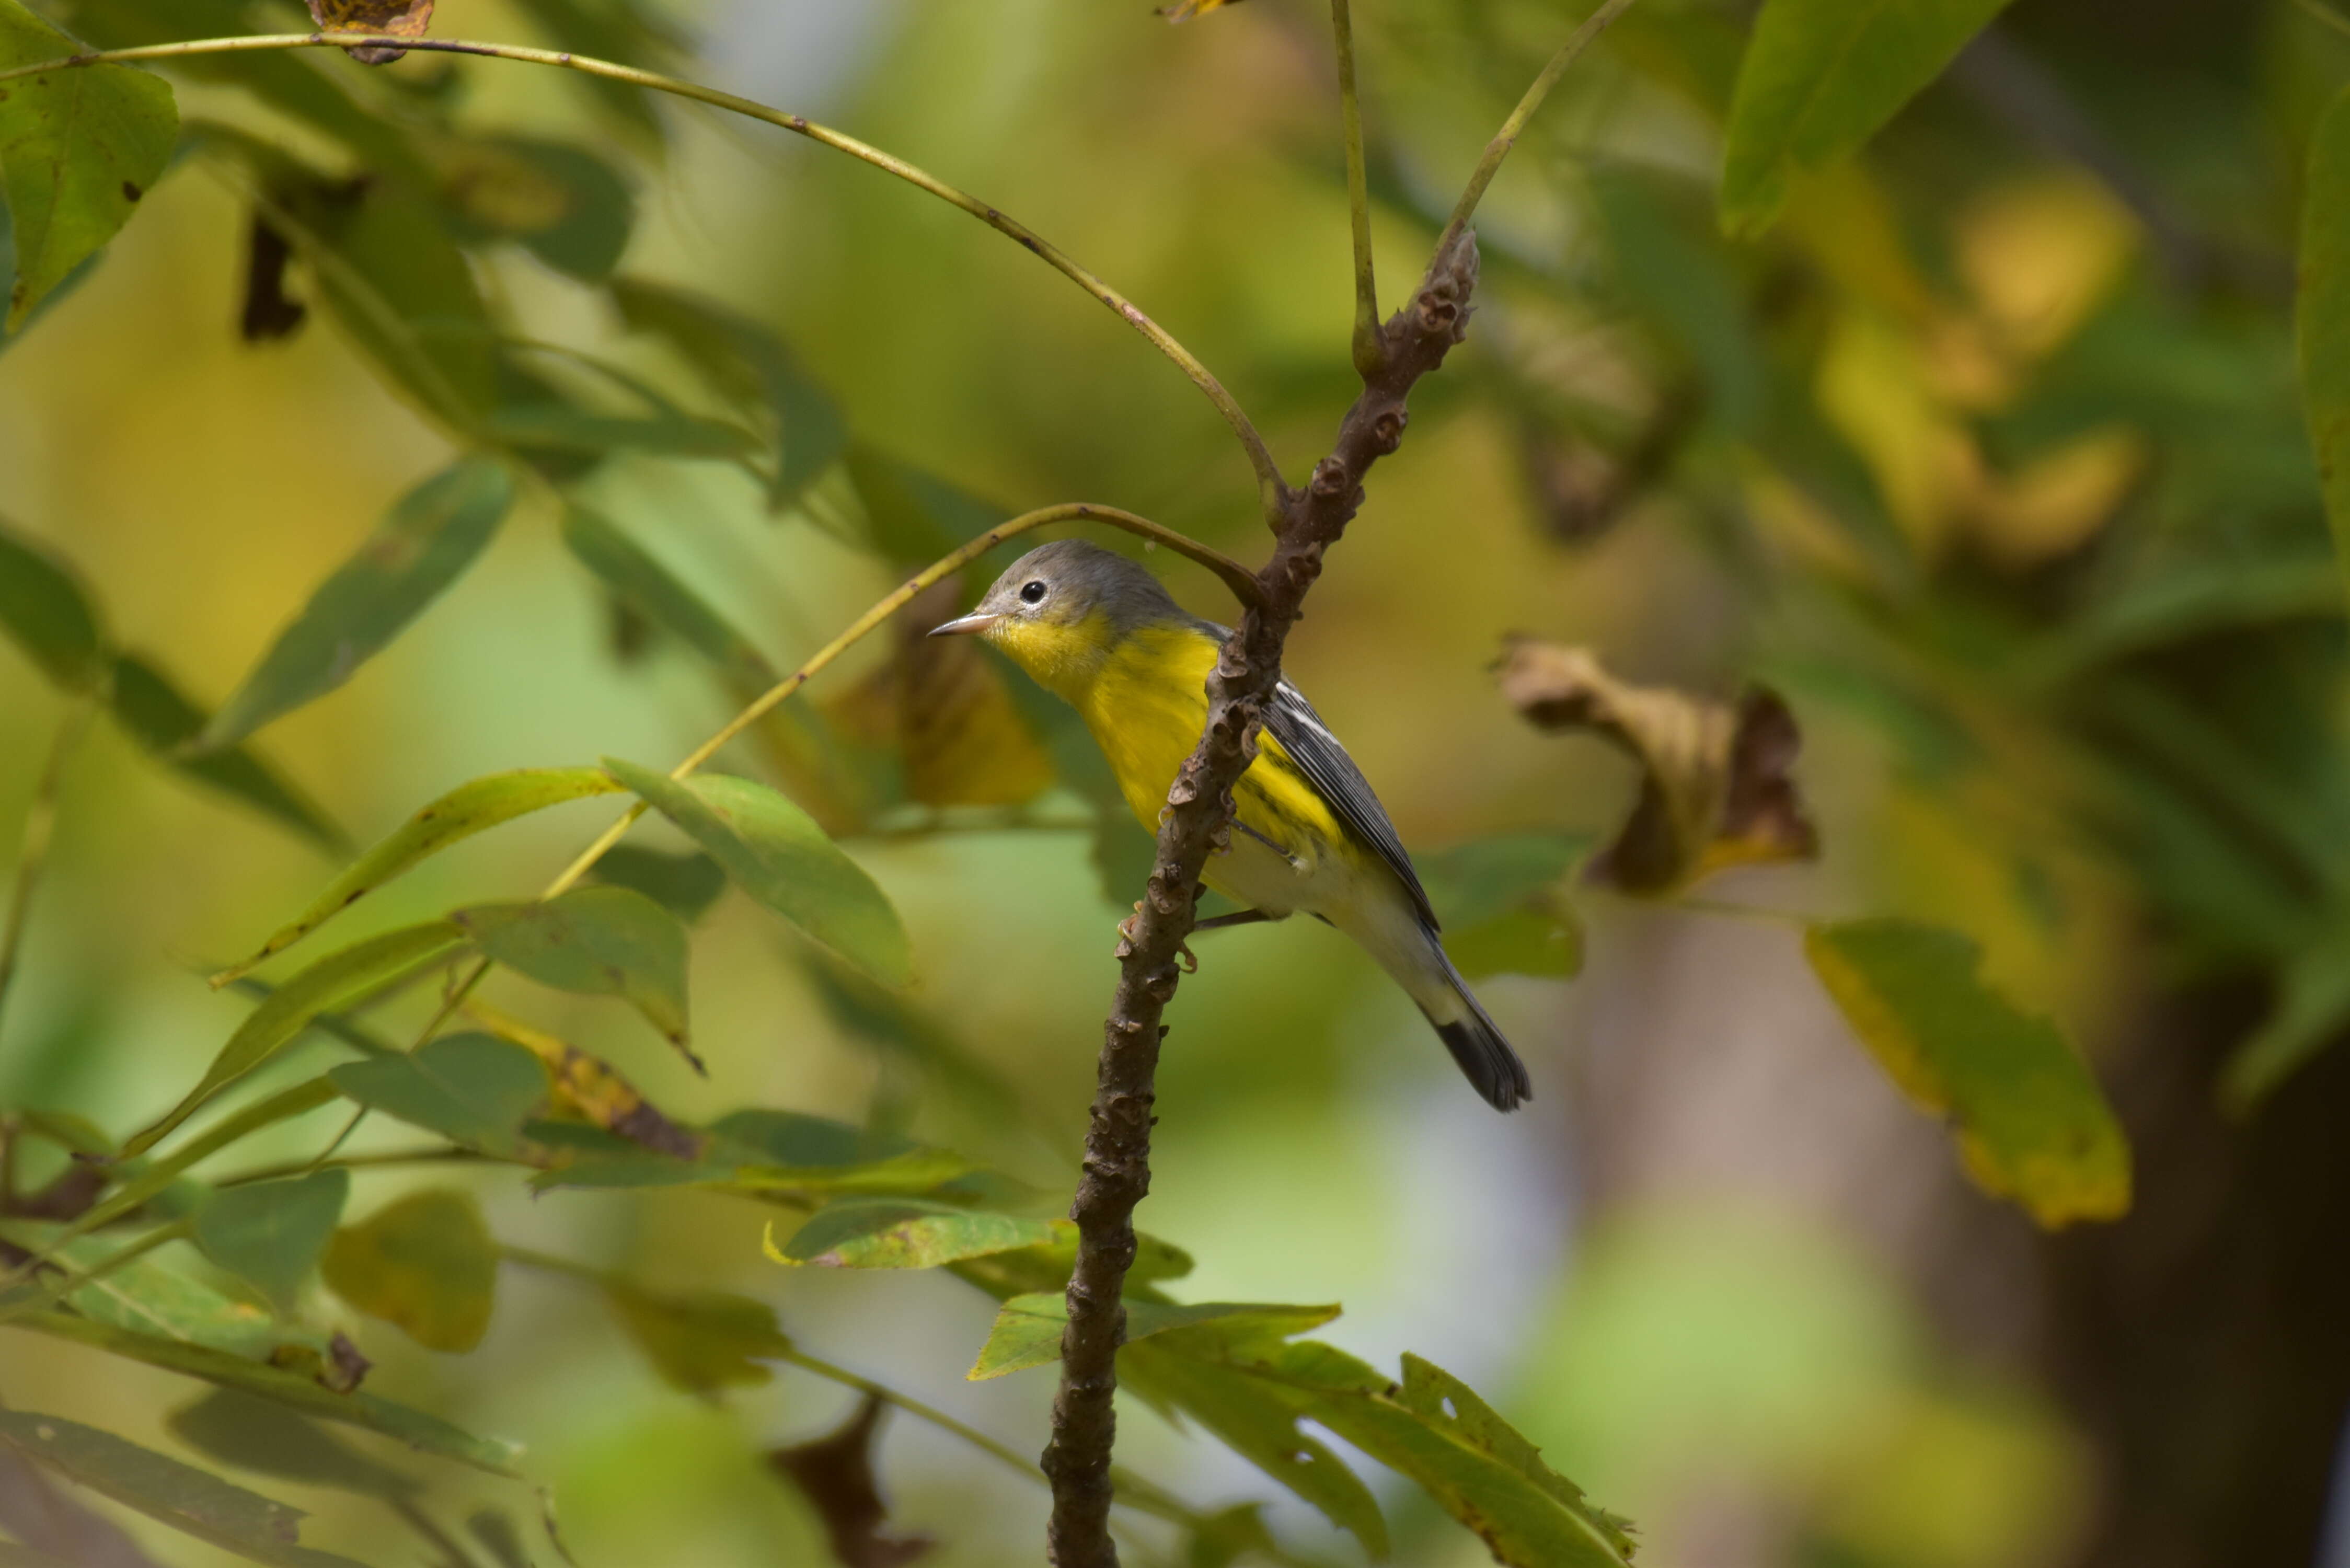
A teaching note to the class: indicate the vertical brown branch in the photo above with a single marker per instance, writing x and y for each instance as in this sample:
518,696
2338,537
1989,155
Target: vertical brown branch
1197,823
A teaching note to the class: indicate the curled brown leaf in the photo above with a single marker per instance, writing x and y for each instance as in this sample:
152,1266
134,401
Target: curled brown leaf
401,18
1715,784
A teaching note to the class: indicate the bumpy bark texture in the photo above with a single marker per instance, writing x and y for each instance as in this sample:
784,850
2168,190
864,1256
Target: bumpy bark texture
1197,823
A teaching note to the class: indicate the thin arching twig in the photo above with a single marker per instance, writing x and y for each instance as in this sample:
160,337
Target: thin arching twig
1514,127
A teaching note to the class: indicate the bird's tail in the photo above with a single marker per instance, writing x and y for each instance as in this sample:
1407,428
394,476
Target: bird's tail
1477,1044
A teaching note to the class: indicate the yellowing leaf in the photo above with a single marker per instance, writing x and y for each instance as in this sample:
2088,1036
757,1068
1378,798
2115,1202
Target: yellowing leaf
594,1088
1715,790
2031,1123
401,18
903,1233
78,150
425,1263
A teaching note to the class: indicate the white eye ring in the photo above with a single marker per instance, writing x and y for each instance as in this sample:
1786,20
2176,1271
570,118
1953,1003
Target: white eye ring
1032,591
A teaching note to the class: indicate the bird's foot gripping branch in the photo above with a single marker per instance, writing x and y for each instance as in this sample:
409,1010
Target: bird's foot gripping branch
1196,824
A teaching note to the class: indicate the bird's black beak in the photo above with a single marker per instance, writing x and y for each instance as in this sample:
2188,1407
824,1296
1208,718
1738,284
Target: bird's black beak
965,626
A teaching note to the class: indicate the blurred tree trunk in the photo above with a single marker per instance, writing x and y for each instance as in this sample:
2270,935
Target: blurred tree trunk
2201,1346
2204,1341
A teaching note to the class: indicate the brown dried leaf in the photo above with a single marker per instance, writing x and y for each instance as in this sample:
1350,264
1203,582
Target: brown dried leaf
942,704
1714,788
401,18
836,1474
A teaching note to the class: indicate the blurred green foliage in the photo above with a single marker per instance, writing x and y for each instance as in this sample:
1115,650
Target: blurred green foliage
441,427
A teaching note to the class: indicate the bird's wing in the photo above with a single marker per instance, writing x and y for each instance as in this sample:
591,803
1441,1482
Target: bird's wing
1335,777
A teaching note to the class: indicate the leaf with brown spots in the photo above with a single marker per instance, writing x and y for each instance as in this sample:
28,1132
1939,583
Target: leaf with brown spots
835,1473
1714,788
593,1088
401,18
78,149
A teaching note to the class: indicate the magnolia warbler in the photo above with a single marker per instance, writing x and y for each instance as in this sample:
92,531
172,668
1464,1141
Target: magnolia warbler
1099,631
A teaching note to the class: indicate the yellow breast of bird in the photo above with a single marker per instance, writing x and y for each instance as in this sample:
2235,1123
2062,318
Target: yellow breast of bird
1146,708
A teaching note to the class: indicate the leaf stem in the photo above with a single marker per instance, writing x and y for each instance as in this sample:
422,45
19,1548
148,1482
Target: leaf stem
1368,342
40,829
1268,474
448,1154
1514,127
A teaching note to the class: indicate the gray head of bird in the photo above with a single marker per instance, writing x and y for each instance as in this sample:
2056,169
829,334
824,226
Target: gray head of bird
1062,606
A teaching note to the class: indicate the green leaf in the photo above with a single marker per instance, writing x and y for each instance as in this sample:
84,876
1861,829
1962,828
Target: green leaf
685,885
426,1433
270,1233
472,1089
658,595
2031,1123
469,808
340,980
425,1263
2313,1003
897,1233
2322,312
431,536
1820,78
598,941
1258,1422
193,1502
253,1434
1251,1387
564,204
153,713
78,148
703,1340
558,426
358,1409
915,517
279,79
387,268
1504,904
1027,1331
778,854
149,1297
748,364
159,1174
45,611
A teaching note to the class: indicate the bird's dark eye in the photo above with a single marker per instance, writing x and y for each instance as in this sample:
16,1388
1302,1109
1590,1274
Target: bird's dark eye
1032,591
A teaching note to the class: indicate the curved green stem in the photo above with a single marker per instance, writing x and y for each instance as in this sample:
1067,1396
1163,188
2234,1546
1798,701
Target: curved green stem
1268,474
1514,127
1369,344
